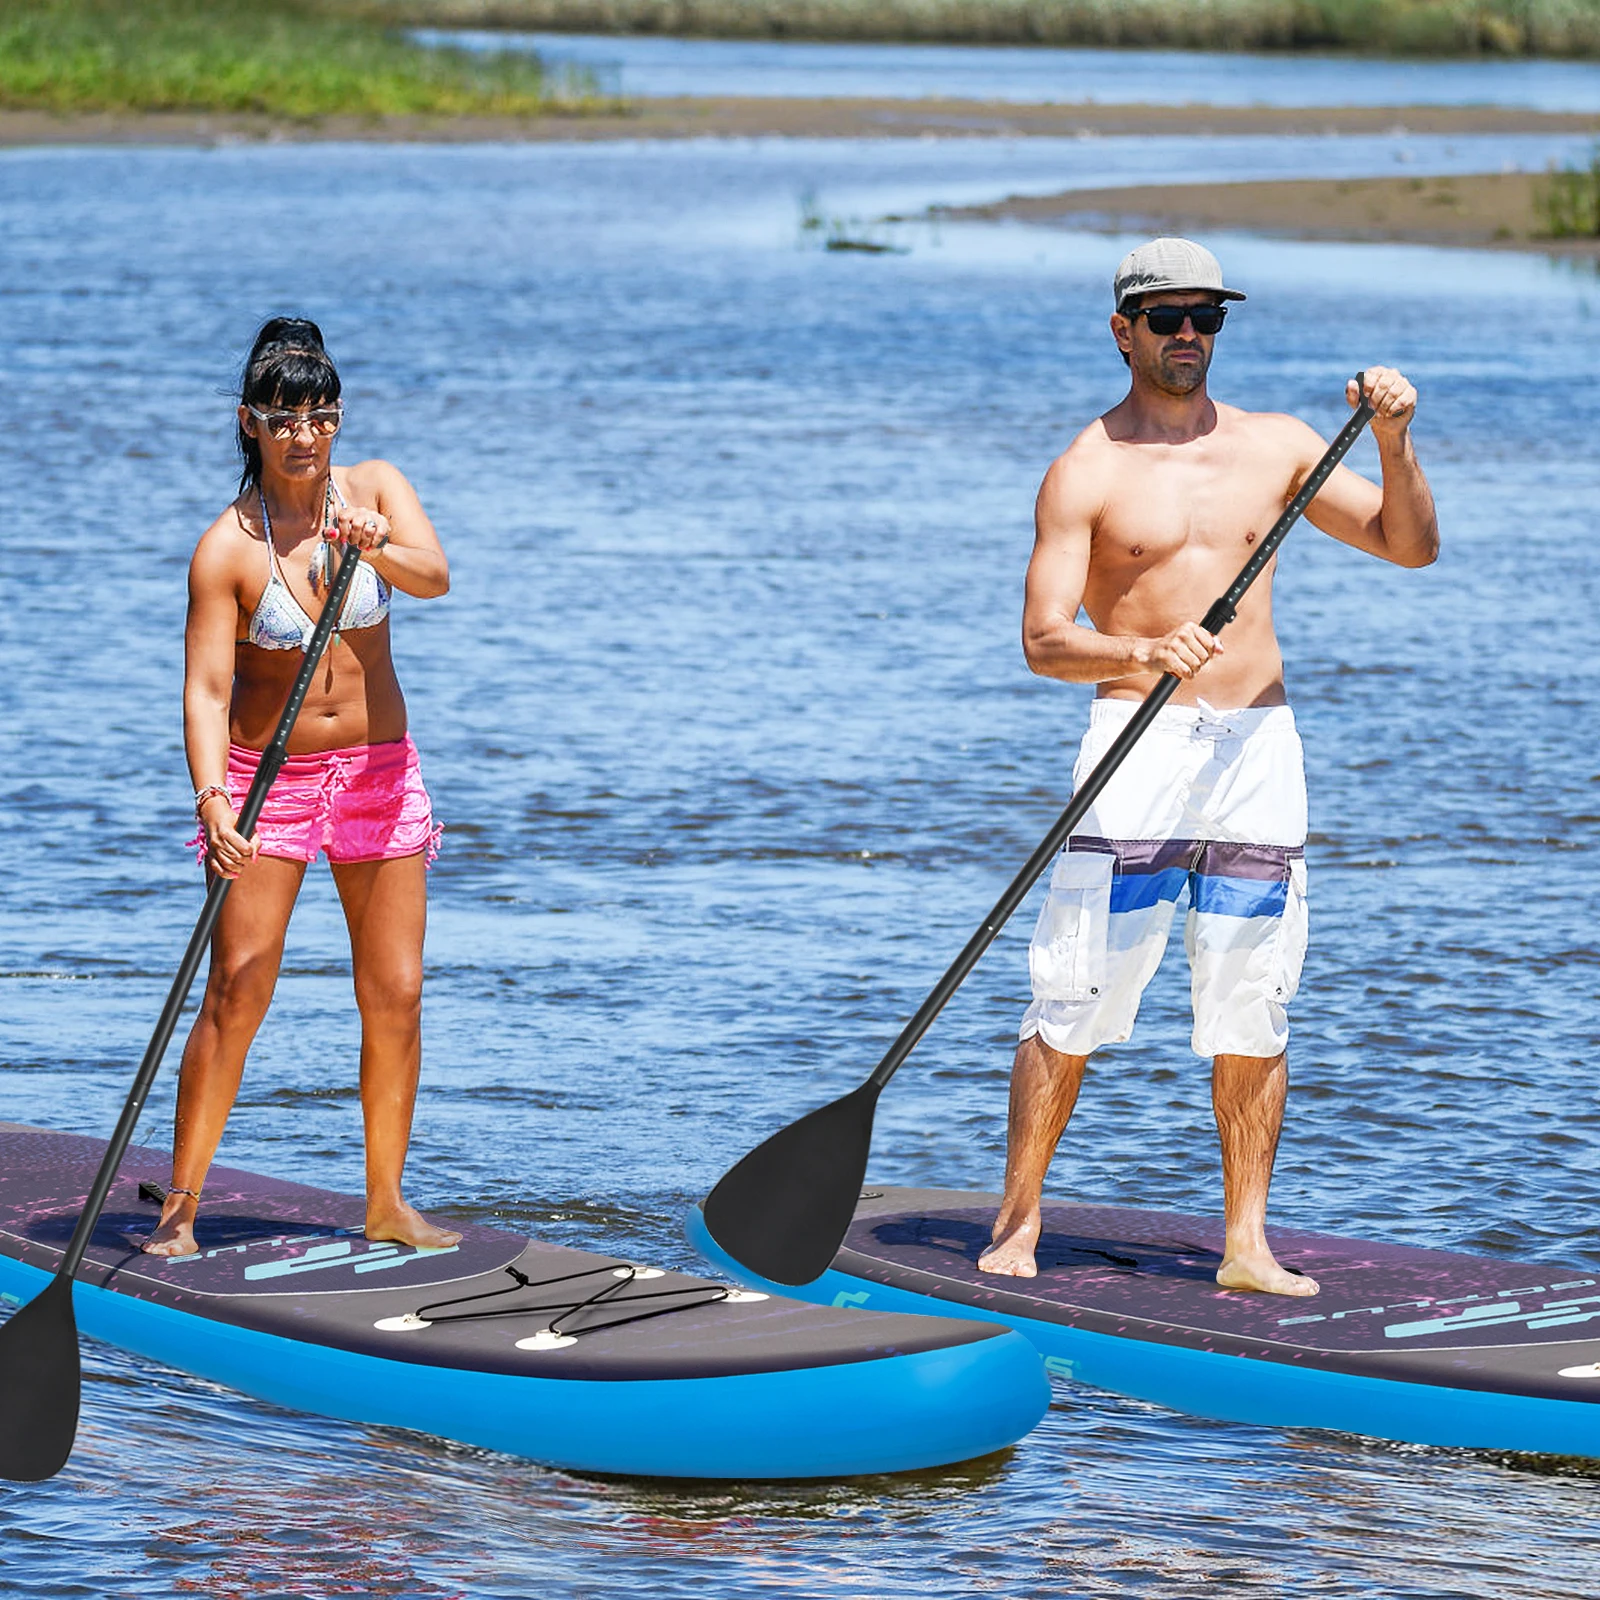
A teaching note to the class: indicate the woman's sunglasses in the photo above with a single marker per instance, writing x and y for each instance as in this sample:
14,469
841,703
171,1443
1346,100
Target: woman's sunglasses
1164,320
281,424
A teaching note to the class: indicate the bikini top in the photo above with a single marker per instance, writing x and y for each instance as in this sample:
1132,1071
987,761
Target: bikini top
279,621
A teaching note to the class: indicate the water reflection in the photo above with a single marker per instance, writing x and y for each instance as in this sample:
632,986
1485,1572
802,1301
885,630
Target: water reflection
647,66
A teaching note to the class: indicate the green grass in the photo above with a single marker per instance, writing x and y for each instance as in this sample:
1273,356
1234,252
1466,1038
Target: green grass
295,59
1568,201
1397,27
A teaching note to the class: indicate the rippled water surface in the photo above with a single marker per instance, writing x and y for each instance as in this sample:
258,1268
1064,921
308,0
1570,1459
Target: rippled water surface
648,65
727,721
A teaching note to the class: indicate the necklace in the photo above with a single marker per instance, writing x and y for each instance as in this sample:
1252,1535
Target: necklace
320,570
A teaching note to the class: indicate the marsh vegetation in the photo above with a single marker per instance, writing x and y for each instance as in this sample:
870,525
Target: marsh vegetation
1401,27
293,58
1568,200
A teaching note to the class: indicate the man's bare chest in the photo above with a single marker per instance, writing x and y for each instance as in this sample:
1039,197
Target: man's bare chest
1159,515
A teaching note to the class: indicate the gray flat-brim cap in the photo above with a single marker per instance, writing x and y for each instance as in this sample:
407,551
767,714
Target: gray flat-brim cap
1168,264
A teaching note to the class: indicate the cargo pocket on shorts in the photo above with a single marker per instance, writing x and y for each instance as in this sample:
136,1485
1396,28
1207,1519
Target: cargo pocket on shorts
1067,958
1289,954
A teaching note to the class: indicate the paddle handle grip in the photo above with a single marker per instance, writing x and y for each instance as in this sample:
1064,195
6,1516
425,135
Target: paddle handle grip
1222,612
272,759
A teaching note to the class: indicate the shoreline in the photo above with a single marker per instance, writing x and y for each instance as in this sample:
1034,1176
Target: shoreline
1495,211
1479,211
753,117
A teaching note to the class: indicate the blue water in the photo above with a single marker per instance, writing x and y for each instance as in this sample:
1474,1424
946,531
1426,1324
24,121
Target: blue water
645,66
728,724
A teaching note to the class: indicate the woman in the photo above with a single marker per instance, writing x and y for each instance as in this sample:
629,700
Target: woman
351,784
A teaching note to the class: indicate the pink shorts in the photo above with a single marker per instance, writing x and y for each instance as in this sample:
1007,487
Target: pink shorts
364,803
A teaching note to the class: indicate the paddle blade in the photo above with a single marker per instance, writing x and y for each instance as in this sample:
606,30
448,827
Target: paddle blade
39,1380
783,1210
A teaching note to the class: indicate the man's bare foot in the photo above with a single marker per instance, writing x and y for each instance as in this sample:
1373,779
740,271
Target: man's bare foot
173,1235
406,1225
1011,1253
1261,1272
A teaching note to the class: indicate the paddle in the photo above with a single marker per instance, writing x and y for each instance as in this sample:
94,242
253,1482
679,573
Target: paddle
40,1372
783,1210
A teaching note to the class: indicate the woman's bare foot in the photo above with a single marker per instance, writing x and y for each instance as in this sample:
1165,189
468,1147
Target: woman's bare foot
1011,1253
406,1225
173,1235
1260,1271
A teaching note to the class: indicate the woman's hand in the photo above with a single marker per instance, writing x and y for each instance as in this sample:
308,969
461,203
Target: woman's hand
227,850
363,527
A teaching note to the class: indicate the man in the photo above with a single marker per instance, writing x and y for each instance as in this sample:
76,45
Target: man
1142,523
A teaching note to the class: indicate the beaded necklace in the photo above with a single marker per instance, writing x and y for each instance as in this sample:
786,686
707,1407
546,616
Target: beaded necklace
320,570
319,573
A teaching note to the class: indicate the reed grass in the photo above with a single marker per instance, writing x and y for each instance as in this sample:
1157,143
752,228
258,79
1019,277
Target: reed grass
288,58
1568,200
1400,27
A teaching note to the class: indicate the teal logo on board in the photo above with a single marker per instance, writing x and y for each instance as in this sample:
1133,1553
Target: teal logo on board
324,1254
1553,1314
1477,1311
341,1254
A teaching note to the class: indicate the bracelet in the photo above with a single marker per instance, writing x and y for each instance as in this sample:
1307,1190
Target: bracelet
202,795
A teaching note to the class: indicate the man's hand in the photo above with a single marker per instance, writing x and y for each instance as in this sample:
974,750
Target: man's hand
1393,399
1182,652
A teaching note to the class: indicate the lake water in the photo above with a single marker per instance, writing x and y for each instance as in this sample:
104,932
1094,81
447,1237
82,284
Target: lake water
647,66
728,724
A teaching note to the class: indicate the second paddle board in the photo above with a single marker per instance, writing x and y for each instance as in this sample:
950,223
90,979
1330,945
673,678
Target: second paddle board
1427,1346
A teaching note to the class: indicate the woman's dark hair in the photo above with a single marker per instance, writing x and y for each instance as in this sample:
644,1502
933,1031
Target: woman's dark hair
287,366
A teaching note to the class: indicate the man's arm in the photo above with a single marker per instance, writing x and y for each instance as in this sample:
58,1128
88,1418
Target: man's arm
1396,522
1055,643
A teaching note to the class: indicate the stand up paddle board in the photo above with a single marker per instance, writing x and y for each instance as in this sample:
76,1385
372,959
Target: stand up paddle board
574,1360
1427,1346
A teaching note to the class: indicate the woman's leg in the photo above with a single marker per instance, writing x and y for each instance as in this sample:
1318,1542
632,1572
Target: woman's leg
246,951
386,907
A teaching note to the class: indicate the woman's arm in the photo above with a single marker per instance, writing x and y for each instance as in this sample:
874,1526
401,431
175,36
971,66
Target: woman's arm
208,647
393,531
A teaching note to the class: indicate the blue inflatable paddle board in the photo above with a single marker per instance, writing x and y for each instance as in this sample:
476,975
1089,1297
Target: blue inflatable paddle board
580,1361
1427,1346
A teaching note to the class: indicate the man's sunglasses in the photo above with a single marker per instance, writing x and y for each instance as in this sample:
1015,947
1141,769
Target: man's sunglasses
1164,320
281,424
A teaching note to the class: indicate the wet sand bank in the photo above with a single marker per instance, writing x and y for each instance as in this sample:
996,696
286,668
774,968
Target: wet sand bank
1481,211
758,117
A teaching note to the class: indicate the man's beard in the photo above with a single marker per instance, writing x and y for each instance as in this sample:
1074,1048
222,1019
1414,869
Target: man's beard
1176,377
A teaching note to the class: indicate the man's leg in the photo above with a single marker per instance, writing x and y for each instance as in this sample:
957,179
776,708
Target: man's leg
1248,1094
1044,1089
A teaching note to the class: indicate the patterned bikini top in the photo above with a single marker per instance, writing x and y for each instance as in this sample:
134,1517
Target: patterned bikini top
279,621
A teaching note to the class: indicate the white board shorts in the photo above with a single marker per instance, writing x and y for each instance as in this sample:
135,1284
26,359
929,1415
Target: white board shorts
1209,803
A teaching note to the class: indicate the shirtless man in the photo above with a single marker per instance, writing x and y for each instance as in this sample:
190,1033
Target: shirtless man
1142,523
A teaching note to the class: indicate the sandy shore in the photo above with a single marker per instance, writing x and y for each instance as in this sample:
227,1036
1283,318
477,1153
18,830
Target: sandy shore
1488,211
756,117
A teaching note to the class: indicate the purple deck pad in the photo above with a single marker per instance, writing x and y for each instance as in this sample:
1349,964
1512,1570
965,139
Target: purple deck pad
291,1260
1395,1311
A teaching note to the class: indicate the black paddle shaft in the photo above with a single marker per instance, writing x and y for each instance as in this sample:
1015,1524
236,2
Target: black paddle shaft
1220,614
272,759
